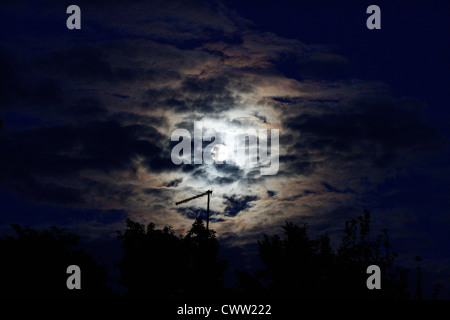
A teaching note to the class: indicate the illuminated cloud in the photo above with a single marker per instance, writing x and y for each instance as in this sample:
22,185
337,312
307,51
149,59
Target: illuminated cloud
100,116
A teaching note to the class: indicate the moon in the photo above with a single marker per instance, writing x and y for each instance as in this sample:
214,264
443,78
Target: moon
219,152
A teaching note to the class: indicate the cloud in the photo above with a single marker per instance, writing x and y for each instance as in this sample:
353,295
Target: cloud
101,110
174,183
235,204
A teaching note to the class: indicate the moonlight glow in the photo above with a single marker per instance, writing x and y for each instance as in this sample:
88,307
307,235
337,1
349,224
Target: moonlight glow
219,152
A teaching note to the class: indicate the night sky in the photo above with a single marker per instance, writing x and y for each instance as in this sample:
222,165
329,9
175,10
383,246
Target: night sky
362,118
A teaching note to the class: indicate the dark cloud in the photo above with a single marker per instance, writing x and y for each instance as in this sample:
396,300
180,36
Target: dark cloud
133,118
318,65
84,62
9,81
235,204
121,96
27,213
378,131
330,188
271,193
41,192
194,212
225,180
19,91
162,75
229,173
174,183
206,95
153,191
64,151
83,110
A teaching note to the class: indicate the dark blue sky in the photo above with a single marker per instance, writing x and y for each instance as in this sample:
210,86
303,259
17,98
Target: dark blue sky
410,52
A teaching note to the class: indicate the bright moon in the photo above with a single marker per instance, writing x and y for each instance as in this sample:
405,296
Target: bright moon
219,153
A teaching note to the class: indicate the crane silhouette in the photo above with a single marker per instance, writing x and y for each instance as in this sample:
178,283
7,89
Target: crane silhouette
207,193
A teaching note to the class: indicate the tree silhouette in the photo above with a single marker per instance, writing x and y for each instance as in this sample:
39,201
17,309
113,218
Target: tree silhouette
357,252
205,269
33,266
154,262
160,265
436,291
294,265
418,293
298,267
